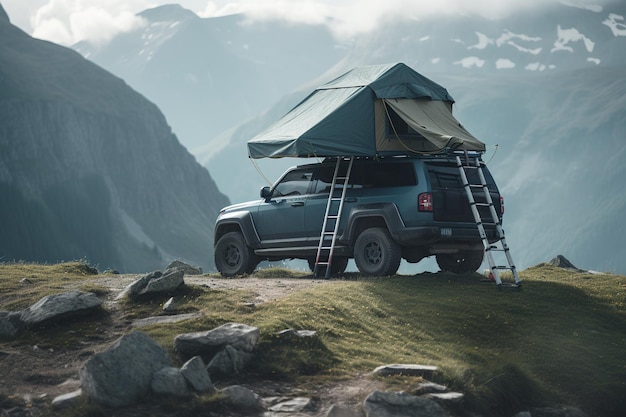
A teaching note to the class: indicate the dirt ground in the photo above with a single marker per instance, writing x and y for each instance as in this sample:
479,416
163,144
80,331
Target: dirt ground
37,374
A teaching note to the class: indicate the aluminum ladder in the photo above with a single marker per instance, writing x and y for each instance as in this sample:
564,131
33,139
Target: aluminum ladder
334,207
500,245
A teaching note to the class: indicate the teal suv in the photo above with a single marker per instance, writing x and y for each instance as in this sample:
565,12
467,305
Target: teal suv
395,208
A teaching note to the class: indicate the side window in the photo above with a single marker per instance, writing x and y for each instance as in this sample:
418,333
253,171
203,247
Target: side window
295,182
369,175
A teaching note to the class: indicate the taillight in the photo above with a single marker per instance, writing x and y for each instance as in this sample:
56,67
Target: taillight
425,202
501,206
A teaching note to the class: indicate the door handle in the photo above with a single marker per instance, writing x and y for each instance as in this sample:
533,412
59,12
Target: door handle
297,204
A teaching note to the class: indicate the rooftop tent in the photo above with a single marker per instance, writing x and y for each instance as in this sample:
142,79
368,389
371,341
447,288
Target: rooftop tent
375,110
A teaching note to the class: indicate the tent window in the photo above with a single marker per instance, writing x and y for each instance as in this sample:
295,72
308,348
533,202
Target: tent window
395,125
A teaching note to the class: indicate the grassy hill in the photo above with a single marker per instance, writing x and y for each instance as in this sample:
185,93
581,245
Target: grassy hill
561,340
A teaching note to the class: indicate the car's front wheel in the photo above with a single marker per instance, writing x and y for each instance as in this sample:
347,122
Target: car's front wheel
376,253
233,256
462,262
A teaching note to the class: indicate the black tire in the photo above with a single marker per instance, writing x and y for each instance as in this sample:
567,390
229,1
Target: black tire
463,262
338,266
233,256
376,253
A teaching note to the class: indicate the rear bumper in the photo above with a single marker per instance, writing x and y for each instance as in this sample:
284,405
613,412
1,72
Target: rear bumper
441,235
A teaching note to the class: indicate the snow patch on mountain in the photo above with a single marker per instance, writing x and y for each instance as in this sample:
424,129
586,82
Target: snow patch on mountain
566,36
594,60
155,35
618,28
504,63
510,38
596,8
483,41
470,62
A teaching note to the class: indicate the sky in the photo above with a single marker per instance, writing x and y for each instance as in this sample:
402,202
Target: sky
69,21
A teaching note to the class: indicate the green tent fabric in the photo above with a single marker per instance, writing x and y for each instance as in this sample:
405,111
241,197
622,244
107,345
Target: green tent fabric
377,110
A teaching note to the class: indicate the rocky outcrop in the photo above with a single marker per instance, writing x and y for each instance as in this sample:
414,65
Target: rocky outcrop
156,282
124,373
207,344
392,404
52,308
90,169
59,306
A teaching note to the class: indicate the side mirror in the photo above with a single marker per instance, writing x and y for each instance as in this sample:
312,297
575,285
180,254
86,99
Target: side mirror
265,193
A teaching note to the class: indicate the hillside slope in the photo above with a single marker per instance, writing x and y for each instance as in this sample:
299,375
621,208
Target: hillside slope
90,169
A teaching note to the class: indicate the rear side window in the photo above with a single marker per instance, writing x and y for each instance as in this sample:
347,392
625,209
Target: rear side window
444,177
370,175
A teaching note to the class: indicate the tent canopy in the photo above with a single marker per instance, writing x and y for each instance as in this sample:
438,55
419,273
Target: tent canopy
378,110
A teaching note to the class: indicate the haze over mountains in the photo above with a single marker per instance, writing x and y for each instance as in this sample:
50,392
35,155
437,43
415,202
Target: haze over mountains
548,88
89,169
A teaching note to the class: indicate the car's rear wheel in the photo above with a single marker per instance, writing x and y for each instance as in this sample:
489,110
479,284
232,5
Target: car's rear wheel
376,253
338,266
462,262
233,256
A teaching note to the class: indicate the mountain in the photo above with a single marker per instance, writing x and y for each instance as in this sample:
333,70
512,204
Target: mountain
547,87
90,169
208,75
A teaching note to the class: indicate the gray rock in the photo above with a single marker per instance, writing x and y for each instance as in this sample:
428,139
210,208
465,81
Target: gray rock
206,344
229,362
122,374
149,321
170,306
425,371
68,400
196,374
154,283
293,405
340,411
446,397
289,334
60,306
429,387
242,398
170,381
400,404
10,324
186,268
562,262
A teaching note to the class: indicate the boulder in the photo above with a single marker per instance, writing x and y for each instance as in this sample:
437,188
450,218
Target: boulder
562,262
186,268
395,404
243,399
196,374
208,343
170,381
60,306
425,371
10,324
228,362
154,283
122,374
290,334
294,405
341,411
68,400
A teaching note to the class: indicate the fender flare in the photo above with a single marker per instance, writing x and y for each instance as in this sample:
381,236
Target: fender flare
237,221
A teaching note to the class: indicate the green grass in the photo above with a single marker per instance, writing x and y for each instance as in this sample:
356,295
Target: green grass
561,339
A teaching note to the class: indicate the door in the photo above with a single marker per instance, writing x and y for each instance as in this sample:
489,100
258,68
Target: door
281,217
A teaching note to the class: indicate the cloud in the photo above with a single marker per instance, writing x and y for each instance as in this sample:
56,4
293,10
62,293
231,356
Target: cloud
68,21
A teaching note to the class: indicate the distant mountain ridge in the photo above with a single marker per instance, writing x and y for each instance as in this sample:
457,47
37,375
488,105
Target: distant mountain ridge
90,169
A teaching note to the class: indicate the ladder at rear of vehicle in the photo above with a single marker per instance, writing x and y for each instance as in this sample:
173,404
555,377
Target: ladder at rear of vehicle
332,216
493,218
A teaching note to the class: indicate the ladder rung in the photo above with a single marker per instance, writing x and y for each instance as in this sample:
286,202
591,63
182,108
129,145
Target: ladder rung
322,263
503,267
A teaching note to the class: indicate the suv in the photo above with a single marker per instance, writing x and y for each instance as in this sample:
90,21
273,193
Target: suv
394,208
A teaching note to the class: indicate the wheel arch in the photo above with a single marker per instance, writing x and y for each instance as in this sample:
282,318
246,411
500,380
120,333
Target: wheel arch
237,222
